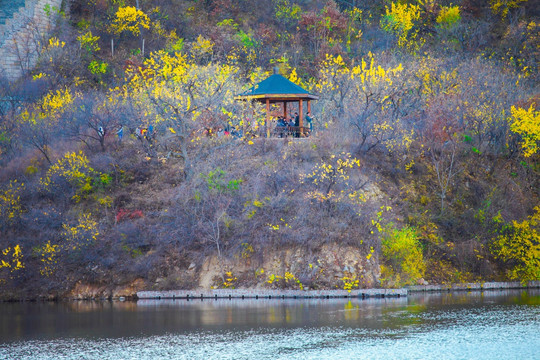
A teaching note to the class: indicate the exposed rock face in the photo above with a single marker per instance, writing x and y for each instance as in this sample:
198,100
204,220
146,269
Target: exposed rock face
322,269
84,291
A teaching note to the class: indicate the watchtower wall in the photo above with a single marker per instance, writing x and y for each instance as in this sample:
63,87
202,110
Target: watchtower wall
23,34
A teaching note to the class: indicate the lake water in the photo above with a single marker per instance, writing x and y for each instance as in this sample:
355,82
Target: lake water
488,325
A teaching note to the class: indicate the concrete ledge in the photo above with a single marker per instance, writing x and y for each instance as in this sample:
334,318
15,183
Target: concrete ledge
475,286
270,294
329,294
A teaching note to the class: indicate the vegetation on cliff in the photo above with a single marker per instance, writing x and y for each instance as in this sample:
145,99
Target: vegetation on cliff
423,164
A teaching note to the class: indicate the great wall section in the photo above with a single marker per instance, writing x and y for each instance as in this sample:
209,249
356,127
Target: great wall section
24,26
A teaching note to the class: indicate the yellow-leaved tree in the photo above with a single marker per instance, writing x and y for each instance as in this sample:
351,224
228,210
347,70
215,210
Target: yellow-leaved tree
526,123
11,261
373,97
519,246
130,19
182,95
402,255
40,124
402,19
10,202
72,175
76,235
330,182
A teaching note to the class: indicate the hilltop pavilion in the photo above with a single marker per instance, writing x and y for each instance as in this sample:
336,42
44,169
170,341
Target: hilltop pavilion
278,89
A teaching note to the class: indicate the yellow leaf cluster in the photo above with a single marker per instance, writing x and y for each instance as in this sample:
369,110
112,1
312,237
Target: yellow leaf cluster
448,16
502,7
520,244
335,72
202,47
331,179
403,254
89,42
336,168
288,279
350,282
74,167
400,19
129,19
176,89
526,123
82,233
229,280
54,42
10,202
47,254
12,258
55,102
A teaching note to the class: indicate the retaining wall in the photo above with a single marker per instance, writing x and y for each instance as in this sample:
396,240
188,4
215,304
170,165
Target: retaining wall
23,35
475,286
270,294
329,294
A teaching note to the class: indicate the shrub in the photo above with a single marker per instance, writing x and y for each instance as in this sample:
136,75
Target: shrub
47,255
82,233
526,123
403,254
73,170
130,19
11,259
448,16
519,245
401,19
10,204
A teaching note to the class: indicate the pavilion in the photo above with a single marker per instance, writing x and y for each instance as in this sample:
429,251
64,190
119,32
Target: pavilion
278,89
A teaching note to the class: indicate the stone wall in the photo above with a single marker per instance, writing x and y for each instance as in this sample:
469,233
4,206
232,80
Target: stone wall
23,35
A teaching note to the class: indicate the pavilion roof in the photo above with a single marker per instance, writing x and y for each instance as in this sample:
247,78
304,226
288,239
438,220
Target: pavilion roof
276,87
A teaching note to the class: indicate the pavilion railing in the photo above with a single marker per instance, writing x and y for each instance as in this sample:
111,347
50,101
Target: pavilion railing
291,131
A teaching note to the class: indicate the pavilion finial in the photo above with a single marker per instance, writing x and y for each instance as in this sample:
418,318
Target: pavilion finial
276,70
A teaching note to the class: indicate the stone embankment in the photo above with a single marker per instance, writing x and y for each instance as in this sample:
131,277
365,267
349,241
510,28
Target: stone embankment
23,33
475,286
328,294
270,294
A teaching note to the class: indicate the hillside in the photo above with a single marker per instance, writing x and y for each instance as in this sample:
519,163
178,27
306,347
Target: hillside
423,165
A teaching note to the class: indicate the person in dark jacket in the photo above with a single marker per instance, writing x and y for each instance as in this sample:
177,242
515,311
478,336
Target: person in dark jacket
309,121
291,122
297,124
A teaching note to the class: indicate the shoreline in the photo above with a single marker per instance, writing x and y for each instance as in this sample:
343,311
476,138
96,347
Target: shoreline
282,294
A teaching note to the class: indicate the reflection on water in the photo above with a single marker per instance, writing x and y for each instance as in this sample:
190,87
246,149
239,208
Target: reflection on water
452,325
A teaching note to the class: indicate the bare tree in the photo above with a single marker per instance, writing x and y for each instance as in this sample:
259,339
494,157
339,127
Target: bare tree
445,166
93,117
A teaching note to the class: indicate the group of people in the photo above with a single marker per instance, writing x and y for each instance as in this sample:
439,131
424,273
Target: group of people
145,133
219,131
294,121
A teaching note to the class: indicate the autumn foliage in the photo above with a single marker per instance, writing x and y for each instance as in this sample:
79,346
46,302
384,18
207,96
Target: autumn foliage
124,153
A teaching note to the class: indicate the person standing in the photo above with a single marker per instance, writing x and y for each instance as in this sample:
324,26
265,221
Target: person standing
291,122
309,121
120,133
296,124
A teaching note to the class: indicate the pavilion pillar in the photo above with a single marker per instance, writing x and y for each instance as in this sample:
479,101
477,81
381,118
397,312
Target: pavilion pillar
267,123
309,106
301,114
285,110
